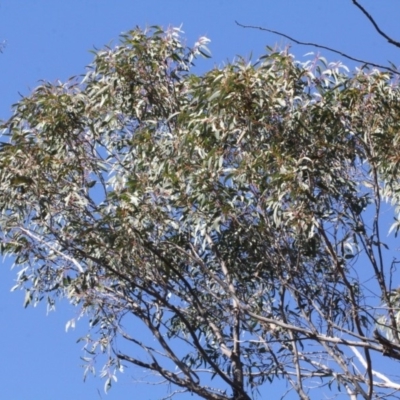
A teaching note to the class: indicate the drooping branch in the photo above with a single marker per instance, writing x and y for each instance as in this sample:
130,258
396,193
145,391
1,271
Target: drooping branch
376,26
320,46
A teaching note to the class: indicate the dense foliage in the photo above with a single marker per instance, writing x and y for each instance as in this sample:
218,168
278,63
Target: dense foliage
234,215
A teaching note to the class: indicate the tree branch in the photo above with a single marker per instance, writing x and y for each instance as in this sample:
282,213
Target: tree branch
376,26
319,46
386,381
172,377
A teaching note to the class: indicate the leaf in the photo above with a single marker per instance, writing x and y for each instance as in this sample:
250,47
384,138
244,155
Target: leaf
70,324
28,298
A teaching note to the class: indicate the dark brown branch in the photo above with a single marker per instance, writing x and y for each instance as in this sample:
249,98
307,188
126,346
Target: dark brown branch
172,377
387,346
376,26
319,46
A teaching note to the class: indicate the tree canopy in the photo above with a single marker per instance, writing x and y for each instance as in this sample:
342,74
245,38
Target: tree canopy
236,215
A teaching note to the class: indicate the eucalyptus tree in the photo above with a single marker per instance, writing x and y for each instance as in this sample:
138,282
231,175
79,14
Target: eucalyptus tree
235,215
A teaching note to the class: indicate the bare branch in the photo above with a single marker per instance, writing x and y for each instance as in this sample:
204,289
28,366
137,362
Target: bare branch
387,382
376,26
319,46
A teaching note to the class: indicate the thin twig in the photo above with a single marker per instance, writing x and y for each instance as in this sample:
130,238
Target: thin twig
376,26
320,47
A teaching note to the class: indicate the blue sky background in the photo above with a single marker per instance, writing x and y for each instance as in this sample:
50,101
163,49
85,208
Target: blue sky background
50,40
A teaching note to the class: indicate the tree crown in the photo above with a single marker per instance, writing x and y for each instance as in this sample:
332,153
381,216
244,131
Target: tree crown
228,212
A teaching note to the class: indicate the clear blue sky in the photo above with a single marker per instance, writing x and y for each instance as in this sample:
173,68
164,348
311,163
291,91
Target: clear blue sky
50,40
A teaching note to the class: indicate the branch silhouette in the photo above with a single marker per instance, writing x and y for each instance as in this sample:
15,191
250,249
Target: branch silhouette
319,46
376,26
